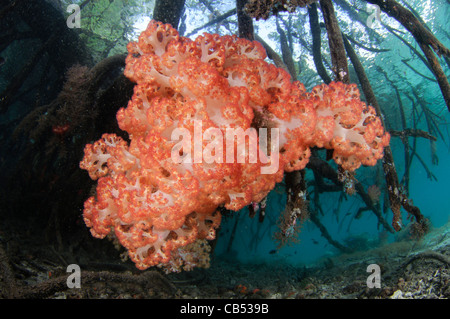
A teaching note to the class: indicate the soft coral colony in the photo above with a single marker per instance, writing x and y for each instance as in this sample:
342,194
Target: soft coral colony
162,210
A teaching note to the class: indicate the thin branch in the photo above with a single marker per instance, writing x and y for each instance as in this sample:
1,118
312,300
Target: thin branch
317,43
426,40
271,53
430,174
355,16
428,255
324,169
313,217
337,50
417,72
396,197
245,23
286,52
218,19
366,47
412,24
438,73
412,132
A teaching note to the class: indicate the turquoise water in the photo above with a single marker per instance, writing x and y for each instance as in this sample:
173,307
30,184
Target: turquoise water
431,196
42,184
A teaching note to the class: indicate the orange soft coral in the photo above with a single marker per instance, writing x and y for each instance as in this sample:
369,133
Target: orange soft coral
193,145
347,125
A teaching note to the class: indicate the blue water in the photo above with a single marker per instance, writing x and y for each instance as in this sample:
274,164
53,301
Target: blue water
430,196
253,241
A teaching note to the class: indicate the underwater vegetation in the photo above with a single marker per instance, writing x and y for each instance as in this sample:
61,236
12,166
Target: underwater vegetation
167,131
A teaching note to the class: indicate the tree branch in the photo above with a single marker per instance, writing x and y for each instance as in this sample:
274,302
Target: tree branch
424,38
317,43
245,23
396,197
168,11
412,132
337,50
